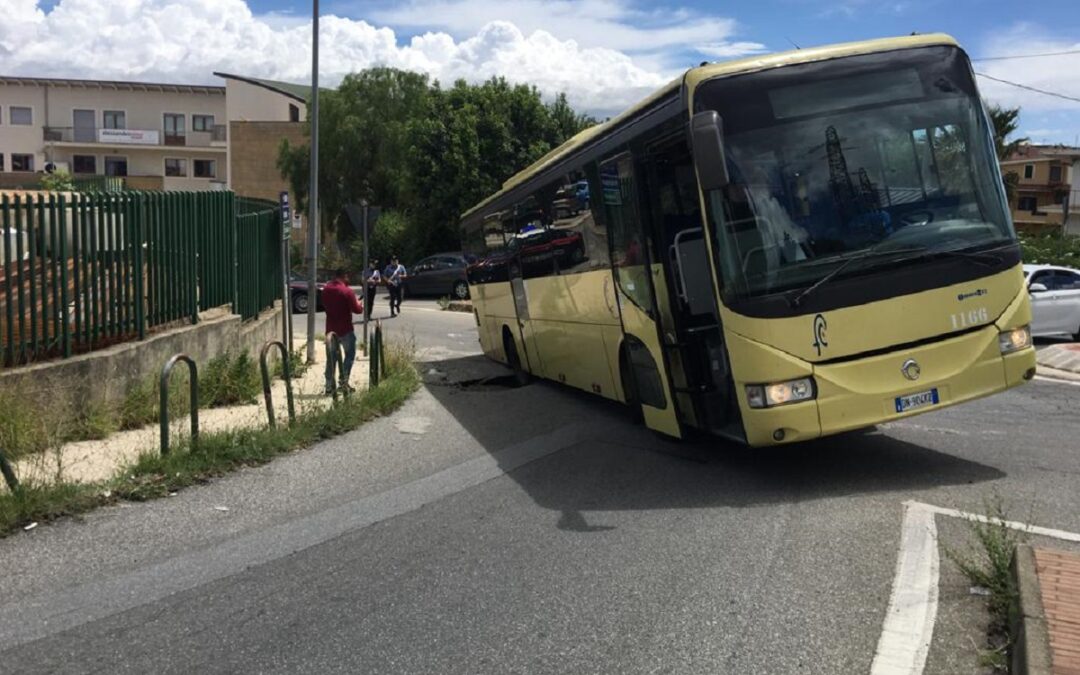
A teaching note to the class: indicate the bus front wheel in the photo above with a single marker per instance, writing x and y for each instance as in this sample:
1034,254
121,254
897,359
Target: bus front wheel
521,376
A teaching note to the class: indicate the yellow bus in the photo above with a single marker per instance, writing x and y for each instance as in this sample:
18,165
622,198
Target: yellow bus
770,250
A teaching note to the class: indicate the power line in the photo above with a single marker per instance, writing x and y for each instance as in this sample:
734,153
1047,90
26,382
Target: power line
1024,86
1027,56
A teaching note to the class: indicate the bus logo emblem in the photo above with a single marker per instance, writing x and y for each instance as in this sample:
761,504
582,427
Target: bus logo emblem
819,333
911,369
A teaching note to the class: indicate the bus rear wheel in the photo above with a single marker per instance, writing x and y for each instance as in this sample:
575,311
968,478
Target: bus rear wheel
521,376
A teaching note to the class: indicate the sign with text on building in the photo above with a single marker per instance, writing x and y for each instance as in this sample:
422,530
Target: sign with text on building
128,136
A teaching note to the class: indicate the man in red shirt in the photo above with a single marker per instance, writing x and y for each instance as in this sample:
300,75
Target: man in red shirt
340,303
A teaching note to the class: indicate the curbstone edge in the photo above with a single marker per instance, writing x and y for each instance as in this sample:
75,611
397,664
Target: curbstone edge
1027,620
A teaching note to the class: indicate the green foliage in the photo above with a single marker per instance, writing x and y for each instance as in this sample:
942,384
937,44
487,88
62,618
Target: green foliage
229,380
140,405
423,153
1051,249
23,431
58,181
1005,122
988,563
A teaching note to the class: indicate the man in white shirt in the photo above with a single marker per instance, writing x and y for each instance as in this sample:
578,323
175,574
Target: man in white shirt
394,275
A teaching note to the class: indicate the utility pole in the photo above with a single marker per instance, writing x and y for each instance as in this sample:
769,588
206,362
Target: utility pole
313,190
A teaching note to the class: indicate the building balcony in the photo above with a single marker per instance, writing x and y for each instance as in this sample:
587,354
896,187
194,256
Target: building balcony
84,136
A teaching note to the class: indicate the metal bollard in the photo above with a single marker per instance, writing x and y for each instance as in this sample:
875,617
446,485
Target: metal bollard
9,473
382,353
333,349
374,357
267,395
163,412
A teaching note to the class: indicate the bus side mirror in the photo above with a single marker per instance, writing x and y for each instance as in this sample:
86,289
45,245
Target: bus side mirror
1036,288
707,138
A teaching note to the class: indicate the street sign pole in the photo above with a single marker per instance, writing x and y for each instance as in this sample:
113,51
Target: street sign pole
313,190
367,261
286,304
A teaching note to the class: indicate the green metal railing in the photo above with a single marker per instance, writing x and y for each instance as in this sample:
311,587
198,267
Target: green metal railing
83,271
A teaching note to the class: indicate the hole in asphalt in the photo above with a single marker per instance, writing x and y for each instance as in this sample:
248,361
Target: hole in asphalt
491,383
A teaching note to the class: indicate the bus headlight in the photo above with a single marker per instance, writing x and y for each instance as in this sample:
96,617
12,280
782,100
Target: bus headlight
1014,340
779,393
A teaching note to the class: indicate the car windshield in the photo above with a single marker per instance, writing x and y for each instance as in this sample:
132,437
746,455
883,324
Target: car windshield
890,151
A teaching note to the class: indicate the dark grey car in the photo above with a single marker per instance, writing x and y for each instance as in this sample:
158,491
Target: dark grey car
439,274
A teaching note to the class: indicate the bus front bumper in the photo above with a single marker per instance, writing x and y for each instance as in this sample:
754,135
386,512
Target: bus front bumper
863,392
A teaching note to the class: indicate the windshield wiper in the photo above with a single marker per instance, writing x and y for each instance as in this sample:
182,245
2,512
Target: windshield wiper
871,252
986,258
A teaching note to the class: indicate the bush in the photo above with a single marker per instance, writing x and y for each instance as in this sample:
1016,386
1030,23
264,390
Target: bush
1051,250
22,429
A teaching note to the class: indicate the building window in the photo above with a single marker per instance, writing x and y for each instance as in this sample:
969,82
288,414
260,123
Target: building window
84,164
116,166
22,162
1026,204
294,113
1,162
1029,171
175,130
1055,174
202,122
114,119
176,167
20,115
205,168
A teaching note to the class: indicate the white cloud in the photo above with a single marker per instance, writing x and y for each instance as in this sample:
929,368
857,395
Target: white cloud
615,24
1060,74
186,40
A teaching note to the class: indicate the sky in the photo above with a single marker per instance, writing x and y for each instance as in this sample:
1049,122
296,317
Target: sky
604,54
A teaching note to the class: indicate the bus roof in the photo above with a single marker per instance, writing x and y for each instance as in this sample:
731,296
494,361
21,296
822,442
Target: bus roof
695,76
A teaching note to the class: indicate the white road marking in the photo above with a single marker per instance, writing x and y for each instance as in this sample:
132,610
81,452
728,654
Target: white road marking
1011,524
909,620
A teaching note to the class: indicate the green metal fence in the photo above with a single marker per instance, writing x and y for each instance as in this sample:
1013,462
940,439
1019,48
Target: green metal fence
83,271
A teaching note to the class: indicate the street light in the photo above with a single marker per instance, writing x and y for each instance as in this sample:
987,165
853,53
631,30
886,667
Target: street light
313,189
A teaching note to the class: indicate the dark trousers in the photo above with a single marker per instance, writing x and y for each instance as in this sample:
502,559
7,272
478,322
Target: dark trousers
348,346
395,298
370,304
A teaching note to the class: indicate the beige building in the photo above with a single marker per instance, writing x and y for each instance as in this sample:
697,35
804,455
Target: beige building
1047,195
173,133
157,136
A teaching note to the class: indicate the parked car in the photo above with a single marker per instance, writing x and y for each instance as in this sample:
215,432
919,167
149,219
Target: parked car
1055,300
298,293
439,274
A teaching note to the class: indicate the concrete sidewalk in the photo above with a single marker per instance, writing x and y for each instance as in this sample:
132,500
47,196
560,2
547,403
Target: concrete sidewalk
1046,619
1059,358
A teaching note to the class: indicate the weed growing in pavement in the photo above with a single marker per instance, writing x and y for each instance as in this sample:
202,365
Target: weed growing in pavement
217,453
444,302
987,563
22,429
229,380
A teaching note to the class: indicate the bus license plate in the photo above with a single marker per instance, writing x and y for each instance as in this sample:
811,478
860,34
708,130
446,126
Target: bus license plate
919,400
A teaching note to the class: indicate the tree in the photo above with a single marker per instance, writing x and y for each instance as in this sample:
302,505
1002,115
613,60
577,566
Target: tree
423,152
1005,121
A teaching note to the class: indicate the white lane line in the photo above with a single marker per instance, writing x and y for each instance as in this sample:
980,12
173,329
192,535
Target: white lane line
909,620
1011,524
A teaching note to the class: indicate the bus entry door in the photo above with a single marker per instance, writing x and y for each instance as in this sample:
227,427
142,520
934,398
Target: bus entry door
642,361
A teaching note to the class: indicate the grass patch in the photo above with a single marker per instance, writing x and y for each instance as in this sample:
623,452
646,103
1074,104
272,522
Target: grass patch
444,302
987,563
23,431
217,453
229,380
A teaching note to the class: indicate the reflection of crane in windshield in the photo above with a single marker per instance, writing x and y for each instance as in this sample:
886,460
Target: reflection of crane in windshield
852,203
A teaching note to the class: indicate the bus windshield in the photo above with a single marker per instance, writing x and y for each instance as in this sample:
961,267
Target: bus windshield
886,153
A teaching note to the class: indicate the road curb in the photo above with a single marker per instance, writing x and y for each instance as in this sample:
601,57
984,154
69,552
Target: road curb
460,306
1064,357
1047,372
1027,619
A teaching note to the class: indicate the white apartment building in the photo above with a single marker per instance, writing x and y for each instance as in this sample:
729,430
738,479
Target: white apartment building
159,136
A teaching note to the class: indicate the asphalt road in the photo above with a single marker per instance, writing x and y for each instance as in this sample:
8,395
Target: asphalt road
491,529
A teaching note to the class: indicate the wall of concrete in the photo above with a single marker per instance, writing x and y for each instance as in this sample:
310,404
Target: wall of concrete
104,376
